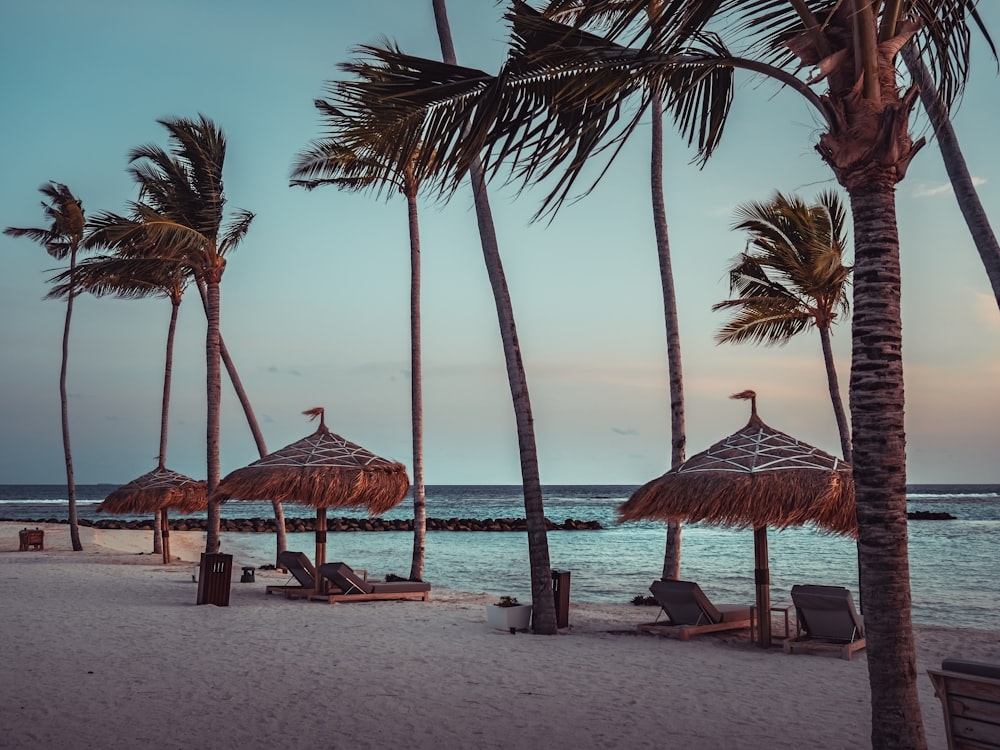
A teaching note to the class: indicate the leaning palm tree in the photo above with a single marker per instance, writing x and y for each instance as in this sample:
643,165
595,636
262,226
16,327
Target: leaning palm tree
327,162
790,279
542,599
179,217
61,239
962,183
565,94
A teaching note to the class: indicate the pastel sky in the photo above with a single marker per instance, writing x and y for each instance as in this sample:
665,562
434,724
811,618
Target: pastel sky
315,301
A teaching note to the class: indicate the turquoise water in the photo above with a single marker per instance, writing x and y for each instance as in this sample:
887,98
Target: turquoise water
953,564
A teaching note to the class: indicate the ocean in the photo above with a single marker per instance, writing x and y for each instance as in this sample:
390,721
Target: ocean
953,563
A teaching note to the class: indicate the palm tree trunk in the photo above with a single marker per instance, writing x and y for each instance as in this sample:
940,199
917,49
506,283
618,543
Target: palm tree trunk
416,396
214,399
160,528
74,527
678,436
877,402
835,398
281,538
958,171
543,620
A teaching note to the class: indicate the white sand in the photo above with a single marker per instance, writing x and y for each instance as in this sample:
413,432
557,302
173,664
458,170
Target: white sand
107,649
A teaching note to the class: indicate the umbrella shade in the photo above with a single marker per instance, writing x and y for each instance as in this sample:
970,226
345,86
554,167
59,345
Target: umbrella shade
323,470
157,490
755,478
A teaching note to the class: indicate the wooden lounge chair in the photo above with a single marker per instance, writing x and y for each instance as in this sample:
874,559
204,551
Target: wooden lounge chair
353,588
825,620
690,612
969,692
301,569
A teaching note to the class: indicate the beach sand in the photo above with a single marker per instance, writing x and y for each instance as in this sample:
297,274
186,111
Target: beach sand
107,649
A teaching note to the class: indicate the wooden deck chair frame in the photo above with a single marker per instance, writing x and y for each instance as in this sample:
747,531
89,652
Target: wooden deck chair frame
969,692
690,612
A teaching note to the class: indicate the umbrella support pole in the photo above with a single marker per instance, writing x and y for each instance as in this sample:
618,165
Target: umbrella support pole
164,535
320,546
762,581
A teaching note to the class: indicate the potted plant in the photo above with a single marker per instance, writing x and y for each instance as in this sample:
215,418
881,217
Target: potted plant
507,614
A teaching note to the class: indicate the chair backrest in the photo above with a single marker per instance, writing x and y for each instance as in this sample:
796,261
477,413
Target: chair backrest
969,692
345,578
827,612
299,566
685,603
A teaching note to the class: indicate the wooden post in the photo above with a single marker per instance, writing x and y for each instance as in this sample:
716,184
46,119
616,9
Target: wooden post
762,580
164,535
320,546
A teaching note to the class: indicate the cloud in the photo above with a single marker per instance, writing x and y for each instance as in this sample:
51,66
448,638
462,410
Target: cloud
944,188
275,370
627,431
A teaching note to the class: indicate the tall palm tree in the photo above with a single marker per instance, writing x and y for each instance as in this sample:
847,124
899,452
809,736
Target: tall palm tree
327,162
791,278
962,184
180,218
678,433
134,278
135,274
61,239
563,96
543,619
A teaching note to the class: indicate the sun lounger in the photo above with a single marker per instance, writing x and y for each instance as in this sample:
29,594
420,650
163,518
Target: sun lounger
969,692
353,588
301,569
690,612
825,619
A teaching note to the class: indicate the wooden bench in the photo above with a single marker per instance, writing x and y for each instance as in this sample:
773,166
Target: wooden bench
969,692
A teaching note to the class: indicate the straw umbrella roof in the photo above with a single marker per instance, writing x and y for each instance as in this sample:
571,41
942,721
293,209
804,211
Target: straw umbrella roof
159,489
323,470
756,477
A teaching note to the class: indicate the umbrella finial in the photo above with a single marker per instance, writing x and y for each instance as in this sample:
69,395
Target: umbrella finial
316,411
750,396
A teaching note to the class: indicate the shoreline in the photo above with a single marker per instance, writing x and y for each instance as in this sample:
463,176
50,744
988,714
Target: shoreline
111,651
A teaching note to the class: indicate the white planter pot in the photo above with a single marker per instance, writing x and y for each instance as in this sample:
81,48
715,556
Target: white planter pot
513,618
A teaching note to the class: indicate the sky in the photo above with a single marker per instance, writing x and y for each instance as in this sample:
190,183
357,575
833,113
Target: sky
315,301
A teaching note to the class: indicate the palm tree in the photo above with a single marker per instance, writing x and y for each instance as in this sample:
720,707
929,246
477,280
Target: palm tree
962,184
179,218
134,278
543,619
562,97
678,434
61,239
790,279
327,162
136,275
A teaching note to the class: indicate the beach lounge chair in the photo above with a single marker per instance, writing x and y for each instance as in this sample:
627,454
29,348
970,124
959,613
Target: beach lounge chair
353,588
301,569
969,692
690,612
825,620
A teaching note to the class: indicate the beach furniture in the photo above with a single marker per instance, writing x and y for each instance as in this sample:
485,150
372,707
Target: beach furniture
353,588
300,568
969,692
690,612
825,620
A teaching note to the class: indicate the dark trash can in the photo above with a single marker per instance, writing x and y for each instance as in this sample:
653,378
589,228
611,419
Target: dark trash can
560,589
214,577
247,576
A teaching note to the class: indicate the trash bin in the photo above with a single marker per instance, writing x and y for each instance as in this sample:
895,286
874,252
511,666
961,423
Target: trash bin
214,576
560,589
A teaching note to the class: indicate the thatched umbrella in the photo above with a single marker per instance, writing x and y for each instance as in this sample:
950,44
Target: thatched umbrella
323,470
158,491
755,478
